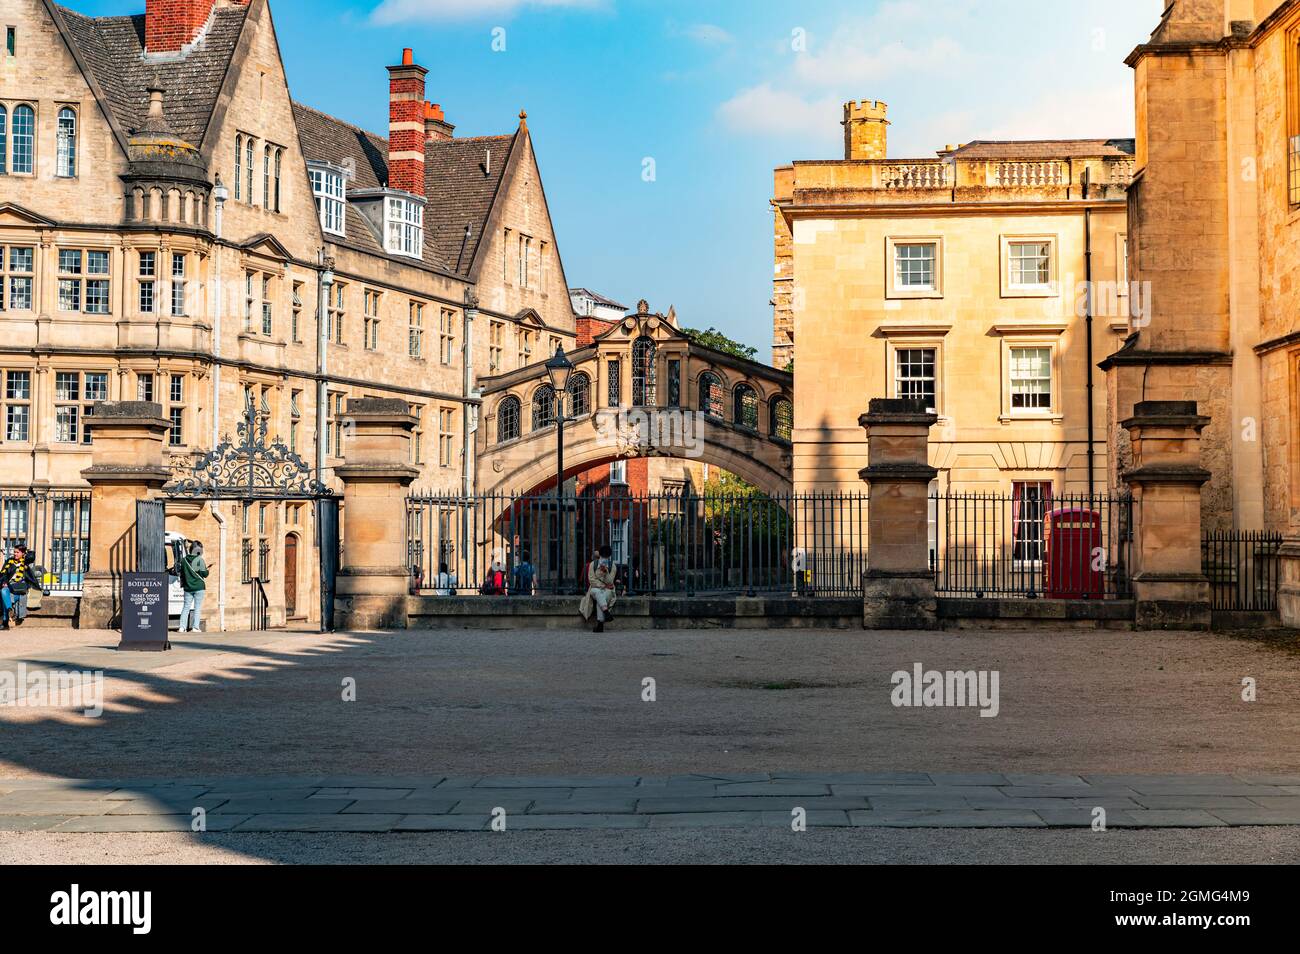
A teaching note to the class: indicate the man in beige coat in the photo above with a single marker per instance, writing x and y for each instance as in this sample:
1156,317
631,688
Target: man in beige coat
600,589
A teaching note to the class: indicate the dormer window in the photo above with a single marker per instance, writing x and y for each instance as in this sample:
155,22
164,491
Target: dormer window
404,226
328,188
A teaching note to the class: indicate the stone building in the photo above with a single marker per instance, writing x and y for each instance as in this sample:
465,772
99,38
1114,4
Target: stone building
959,279
174,227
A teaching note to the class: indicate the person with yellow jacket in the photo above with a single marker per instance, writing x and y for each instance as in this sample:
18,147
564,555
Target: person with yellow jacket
18,575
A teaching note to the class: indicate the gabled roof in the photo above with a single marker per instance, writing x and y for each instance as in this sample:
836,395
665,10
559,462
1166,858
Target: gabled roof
113,50
1046,149
461,181
598,299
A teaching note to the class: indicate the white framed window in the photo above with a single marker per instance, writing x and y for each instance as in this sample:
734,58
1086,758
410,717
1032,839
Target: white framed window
618,540
1029,266
66,166
84,281
618,472
1030,379
446,335
337,313
915,375
404,227
144,390
371,330
1031,502
330,192
415,331
176,410
22,141
146,283
446,437
914,267
525,248
17,275
18,406
496,335
295,419
75,395
179,262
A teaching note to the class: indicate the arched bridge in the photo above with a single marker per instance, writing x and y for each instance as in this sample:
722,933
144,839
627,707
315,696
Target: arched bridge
643,388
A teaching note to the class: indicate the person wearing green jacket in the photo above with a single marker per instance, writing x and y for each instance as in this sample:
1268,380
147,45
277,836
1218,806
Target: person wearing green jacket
192,571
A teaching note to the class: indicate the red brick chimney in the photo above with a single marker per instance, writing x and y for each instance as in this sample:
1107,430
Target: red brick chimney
436,127
170,24
406,133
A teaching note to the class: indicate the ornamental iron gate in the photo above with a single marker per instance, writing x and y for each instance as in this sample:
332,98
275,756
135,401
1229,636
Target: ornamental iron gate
253,470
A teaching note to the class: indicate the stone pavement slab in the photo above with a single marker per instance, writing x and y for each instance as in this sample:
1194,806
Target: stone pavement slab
466,803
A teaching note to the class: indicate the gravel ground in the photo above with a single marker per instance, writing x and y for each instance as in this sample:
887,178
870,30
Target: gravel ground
718,845
569,703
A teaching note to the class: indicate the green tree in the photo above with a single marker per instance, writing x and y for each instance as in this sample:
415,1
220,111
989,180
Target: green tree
715,339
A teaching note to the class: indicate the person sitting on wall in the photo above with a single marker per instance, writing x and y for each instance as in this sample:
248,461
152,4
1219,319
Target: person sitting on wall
525,576
445,583
601,577
495,583
18,575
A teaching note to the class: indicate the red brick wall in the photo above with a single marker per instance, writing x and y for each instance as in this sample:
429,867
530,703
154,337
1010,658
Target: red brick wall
170,24
589,328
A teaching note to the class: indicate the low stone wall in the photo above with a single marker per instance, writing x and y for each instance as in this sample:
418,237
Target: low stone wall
1035,614
56,612
634,612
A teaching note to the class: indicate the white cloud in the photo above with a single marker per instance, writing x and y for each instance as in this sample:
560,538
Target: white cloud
763,111
1069,114
390,12
847,60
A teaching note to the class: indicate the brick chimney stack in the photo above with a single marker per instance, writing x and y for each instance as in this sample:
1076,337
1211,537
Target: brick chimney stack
406,125
170,24
436,127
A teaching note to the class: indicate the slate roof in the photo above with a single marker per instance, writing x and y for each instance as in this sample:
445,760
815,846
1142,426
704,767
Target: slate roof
1046,149
113,48
598,299
460,181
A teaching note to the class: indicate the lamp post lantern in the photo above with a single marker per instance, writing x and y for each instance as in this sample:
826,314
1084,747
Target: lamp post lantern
559,368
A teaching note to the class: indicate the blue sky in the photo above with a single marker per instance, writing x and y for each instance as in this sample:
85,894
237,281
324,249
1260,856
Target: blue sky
717,94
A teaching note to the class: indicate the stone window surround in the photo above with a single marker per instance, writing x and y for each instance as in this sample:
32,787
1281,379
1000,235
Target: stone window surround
1041,336
905,337
1053,287
892,290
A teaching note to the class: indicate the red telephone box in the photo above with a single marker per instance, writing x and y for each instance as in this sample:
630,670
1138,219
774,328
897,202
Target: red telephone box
1073,555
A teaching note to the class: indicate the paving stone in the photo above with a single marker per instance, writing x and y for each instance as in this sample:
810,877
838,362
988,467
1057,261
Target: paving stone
303,806
813,819
774,788
265,794
109,824
443,823
153,806
722,777
265,783
29,803
558,781
1181,787
372,794
968,778
1193,801
1040,778
515,794
1175,818
421,806
1108,802
320,823
31,822
168,792
384,781
706,820
1256,816
1067,791
1282,780
756,803
917,802
1278,803
562,822
582,805
477,806
954,818
901,790
1080,817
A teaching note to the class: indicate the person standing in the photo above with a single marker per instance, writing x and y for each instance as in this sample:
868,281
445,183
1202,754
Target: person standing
601,577
18,575
193,570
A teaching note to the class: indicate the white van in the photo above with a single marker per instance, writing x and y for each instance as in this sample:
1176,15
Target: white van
175,544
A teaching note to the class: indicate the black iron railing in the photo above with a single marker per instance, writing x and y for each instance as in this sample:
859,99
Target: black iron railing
56,525
1031,544
1243,568
671,543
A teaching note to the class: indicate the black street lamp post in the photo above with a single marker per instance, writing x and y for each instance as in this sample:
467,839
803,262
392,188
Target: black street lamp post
559,368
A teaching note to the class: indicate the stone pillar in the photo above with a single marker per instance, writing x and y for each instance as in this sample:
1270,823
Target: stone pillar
374,580
127,464
1170,587
898,589
1288,591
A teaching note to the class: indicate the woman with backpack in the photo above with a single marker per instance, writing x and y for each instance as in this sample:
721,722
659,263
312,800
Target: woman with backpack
18,575
192,571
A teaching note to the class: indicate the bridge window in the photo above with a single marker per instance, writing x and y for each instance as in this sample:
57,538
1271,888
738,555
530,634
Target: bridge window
543,407
579,394
711,395
746,407
781,412
615,383
508,420
643,372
